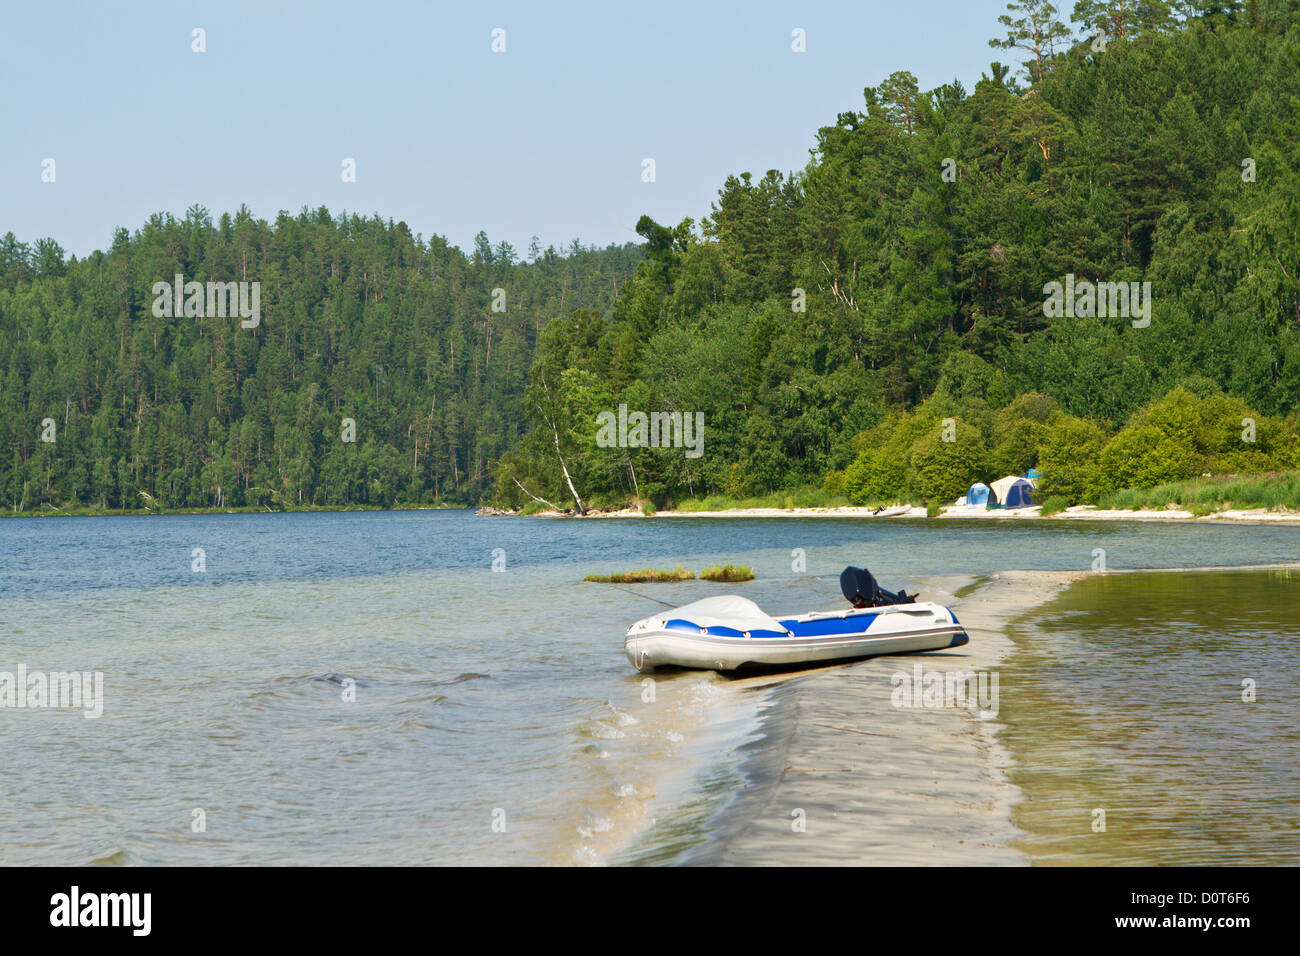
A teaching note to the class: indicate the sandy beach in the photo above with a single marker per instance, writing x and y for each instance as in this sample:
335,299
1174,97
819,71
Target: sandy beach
883,784
1078,512
880,784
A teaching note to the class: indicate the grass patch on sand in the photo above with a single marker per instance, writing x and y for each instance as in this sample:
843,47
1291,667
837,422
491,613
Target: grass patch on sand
727,573
644,576
786,500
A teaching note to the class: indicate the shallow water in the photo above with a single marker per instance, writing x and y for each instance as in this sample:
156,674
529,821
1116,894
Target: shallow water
1131,694
495,717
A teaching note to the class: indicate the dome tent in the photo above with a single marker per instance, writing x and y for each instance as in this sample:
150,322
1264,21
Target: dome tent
977,495
1013,492
1018,495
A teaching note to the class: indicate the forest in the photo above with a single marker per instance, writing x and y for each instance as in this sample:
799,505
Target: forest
826,325
827,321
383,369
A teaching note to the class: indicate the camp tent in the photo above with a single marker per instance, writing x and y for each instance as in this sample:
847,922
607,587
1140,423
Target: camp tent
978,495
1001,485
1018,495
1013,492
1033,474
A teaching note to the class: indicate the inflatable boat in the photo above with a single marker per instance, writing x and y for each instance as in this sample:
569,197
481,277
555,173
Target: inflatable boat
732,633
893,511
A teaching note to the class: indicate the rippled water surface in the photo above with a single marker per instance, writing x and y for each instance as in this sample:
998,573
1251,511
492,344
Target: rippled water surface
495,717
1132,694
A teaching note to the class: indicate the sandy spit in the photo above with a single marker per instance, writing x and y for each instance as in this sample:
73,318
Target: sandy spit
879,784
885,785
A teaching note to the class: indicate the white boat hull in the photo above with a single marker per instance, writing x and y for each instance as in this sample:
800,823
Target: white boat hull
900,629
893,512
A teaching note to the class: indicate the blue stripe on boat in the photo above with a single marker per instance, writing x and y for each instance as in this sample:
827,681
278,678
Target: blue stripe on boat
824,627
831,625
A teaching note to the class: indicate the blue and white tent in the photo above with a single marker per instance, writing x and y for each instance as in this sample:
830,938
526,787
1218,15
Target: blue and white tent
1013,492
977,495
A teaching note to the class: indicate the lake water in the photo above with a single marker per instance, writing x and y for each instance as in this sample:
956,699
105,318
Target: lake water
1169,702
495,718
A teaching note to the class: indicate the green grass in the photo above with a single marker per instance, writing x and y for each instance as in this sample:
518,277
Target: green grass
646,575
728,573
810,497
1054,505
1203,496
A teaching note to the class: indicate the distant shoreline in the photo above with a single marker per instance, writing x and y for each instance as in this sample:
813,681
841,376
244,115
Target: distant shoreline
1078,512
243,510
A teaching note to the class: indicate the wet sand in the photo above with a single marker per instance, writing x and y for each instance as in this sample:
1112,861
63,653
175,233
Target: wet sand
881,784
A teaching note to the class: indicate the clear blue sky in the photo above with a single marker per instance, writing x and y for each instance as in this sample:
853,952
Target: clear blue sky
546,138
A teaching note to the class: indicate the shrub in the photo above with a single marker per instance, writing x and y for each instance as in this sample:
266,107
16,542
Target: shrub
880,471
1144,456
1068,459
656,492
1018,432
1055,505
944,469
1186,433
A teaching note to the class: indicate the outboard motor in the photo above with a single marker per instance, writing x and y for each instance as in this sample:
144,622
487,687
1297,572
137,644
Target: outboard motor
861,590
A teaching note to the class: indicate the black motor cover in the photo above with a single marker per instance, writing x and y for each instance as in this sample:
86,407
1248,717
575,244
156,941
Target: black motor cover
861,590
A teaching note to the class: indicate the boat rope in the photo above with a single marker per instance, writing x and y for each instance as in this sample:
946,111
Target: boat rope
646,596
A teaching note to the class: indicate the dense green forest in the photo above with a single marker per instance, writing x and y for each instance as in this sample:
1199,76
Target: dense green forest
108,405
815,319
832,327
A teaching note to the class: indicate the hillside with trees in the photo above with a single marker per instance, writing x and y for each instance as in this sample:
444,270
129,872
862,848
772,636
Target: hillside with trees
832,327
825,321
109,406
